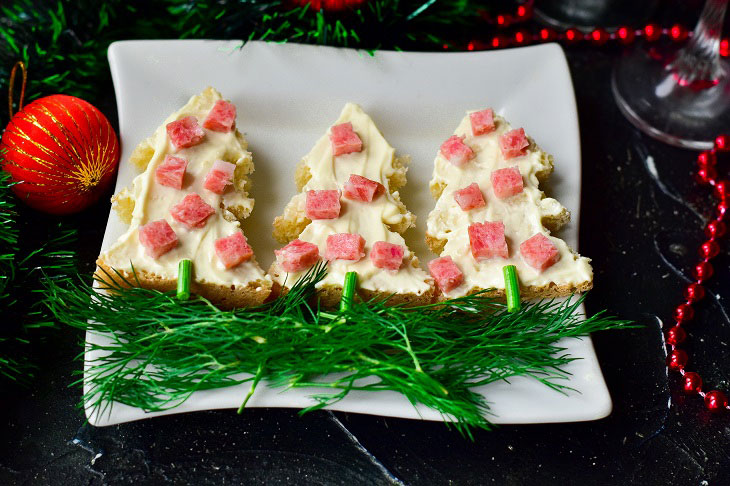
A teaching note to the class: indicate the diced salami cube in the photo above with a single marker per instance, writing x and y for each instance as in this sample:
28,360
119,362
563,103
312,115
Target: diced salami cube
482,122
470,197
157,237
185,132
387,255
322,204
233,250
446,274
359,188
345,246
221,118
171,172
539,252
192,211
456,151
219,176
507,182
297,256
514,143
344,139
487,240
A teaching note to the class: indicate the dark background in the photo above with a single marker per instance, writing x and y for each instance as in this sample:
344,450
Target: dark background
642,232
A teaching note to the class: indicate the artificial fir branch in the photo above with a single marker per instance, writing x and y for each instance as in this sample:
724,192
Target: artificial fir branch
157,351
22,271
64,42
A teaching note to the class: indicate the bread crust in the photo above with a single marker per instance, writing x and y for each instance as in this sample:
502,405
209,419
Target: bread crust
223,296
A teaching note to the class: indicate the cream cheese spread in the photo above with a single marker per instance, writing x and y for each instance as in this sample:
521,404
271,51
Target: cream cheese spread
153,201
368,219
522,215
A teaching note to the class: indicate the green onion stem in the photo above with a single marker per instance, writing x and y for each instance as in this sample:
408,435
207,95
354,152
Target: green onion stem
184,271
511,288
348,290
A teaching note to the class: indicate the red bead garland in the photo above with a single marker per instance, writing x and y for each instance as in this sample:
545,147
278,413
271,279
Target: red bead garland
715,400
624,35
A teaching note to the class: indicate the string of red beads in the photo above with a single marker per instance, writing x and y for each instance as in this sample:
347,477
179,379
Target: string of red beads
677,358
623,35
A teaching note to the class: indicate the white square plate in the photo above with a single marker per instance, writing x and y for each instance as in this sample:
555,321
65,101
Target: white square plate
288,95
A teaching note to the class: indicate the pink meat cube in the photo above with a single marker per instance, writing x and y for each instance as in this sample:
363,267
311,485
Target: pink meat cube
539,252
507,182
470,197
514,143
297,255
221,118
233,250
446,274
157,237
345,246
359,188
171,172
456,151
487,240
192,211
387,255
344,139
322,204
219,176
482,122
185,132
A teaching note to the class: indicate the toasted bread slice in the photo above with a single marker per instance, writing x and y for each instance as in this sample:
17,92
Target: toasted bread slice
524,214
147,200
383,219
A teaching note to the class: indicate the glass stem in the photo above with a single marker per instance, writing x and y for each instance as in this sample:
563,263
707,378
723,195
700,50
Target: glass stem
698,64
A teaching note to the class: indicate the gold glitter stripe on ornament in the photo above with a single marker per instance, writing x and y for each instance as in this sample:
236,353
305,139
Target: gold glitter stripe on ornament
71,141
33,120
105,148
14,129
85,144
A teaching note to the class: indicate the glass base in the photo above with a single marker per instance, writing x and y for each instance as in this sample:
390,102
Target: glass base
649,94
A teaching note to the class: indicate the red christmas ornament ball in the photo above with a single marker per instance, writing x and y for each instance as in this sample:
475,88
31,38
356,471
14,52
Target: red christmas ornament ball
715,229
692,382
715,401
694,292
62,152
677,359
328,5
676,335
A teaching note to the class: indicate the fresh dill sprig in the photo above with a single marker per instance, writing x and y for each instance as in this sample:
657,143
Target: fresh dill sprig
153,351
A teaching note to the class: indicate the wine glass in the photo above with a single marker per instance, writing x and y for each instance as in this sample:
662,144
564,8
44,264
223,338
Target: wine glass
681,97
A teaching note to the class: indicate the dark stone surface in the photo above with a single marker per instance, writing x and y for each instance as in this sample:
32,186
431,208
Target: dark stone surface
641,229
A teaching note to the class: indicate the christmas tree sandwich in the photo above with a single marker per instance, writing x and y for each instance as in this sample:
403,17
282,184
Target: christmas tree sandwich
491,213
348,212
188,203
